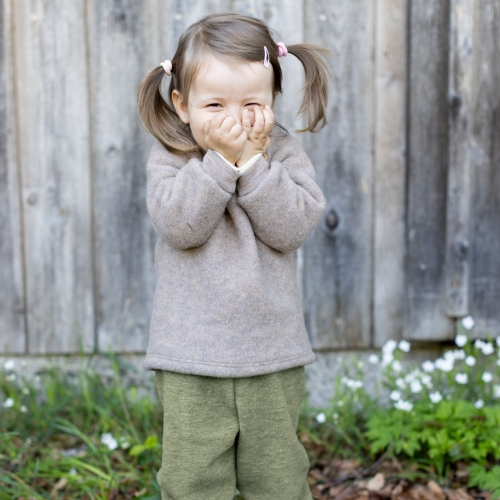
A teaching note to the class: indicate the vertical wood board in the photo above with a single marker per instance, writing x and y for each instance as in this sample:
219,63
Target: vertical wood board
390,170
337,263
12,309
425,310
485,171
124,44
54,160
458,188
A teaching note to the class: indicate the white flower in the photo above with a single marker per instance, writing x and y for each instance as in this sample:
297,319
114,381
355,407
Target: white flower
470,360
389,346
416,386
396,366
26,390
461,378
496,391
445,365
124,444
354,384
453,355
8,403
23,409
11,377
487,349
487,377
387,358
73,471
427,380
428,366
401,383
109,441
9,365
468,322
321,417
336,418
395,395
403,405
461,340
479,403
373,359
404,346
435,397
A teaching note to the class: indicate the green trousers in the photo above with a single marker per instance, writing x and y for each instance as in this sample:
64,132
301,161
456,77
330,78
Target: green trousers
225,433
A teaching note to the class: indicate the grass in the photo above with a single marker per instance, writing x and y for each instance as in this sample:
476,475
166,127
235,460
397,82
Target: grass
51,435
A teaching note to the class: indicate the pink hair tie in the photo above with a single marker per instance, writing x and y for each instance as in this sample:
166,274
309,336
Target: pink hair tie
167,66
282,50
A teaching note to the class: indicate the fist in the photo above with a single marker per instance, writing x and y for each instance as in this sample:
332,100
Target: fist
224,135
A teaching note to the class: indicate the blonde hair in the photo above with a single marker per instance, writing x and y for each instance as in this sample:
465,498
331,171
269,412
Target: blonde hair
230,37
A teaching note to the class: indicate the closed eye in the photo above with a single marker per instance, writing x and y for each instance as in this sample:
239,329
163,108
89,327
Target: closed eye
213,104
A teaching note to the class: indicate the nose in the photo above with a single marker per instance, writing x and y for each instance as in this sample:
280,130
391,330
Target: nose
236,113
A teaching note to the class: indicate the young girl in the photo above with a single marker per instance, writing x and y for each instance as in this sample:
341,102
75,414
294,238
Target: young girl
232,197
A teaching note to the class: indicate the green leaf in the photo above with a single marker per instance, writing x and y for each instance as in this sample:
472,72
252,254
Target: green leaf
151,442
137,450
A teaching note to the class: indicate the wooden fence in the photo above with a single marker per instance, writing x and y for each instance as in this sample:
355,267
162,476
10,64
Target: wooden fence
409,165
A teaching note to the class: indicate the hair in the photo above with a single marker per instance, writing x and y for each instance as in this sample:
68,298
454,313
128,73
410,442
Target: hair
229,37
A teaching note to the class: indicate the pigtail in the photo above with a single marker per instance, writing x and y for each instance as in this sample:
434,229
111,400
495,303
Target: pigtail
314,60
160,117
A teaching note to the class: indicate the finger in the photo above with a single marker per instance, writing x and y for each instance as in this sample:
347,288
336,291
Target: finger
258,125
245,121
235,131
227,124
217,120
269,119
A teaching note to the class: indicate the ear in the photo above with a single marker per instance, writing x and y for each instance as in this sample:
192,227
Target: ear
180,106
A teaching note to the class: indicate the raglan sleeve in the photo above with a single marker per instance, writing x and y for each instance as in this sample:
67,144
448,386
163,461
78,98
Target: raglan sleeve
281,198
187,197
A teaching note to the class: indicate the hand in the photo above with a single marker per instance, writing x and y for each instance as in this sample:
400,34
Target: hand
257,133
224,135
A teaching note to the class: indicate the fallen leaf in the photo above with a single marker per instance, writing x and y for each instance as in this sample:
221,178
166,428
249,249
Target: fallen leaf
377,482
58,486
438,493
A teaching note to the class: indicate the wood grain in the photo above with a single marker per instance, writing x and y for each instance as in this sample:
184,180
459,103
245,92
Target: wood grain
13,337
52,104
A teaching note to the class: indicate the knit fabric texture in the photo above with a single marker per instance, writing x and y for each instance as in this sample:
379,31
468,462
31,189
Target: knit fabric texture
226,302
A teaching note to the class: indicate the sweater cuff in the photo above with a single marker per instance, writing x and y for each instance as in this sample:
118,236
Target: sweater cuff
251,178
220,170
249,163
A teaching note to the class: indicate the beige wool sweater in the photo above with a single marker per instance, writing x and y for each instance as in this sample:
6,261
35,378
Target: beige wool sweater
226,303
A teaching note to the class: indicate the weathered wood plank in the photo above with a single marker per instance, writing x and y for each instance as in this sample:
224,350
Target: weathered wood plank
485,171
458,192
390,170
54,158
124,44
12,308
338,263
425,311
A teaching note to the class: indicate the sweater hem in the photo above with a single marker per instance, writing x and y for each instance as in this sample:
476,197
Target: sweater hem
156,362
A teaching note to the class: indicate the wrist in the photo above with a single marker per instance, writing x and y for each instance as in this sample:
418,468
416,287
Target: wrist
246,157
230,159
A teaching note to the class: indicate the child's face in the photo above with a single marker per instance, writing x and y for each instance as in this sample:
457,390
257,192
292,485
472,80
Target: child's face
220,87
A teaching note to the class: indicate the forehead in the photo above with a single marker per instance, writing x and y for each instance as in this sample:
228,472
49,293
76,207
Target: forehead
234,78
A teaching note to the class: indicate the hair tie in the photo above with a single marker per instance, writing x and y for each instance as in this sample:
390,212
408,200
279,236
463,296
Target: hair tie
266,57
282,50
167,66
